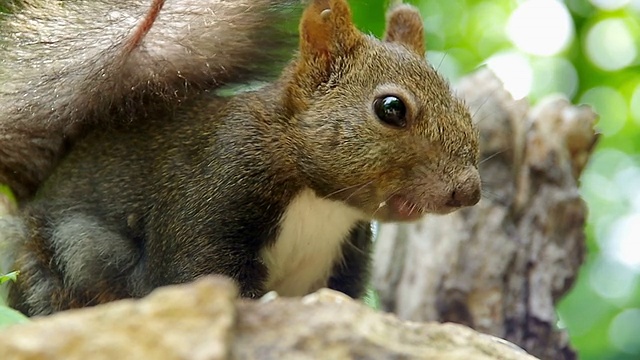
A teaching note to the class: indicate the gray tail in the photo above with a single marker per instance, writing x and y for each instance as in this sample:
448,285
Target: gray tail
67,66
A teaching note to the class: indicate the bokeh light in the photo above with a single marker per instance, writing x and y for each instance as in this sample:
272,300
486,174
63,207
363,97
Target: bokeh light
624,330
514,70
541,27
604,269
623,241
554,75
610,44
609,4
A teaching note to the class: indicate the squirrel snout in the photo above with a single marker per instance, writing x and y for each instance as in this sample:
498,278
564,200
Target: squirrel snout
467,190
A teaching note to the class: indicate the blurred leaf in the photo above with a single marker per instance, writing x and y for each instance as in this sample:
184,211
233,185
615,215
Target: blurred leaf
6,191
372,299
369,16
8,316
10,276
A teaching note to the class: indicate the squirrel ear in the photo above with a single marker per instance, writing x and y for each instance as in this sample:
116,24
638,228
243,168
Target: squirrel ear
404,26
326,30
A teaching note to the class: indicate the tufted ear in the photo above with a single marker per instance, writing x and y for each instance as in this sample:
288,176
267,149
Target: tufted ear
404,26
327,31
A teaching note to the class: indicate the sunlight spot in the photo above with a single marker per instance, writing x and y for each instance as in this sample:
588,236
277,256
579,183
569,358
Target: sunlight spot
604,269
610,45
541,27
515,72
623,241
554,75
626,180
609,4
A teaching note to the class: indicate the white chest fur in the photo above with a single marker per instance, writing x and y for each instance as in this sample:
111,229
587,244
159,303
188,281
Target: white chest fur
312,231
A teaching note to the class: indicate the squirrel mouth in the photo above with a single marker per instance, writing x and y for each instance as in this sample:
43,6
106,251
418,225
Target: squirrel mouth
403,209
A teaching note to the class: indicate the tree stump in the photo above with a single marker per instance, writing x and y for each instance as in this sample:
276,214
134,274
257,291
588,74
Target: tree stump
501,266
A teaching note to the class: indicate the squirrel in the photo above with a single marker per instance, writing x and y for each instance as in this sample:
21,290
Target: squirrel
134,173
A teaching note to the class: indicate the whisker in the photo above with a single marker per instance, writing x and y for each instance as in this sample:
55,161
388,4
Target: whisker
490,114
493,155
494,198
489,195
442,60
481,105
486,183
345,189
358,189
384,202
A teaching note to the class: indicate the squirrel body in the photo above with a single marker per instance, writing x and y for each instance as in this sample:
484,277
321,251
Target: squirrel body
275,188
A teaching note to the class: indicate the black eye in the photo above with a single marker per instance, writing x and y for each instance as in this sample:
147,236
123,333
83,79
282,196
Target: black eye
391,111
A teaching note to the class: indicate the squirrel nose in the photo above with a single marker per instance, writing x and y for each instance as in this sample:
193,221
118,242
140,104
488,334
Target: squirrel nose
467,190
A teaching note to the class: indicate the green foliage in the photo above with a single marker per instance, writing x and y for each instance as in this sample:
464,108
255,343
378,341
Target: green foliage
372,299
10,276
5,191
9,316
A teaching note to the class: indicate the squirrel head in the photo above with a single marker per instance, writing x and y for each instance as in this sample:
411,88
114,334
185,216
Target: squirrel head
379,128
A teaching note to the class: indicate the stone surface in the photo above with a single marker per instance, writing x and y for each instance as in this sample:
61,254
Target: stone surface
329,325
179,322
204,320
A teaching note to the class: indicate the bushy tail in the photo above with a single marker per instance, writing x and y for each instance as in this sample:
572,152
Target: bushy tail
68,65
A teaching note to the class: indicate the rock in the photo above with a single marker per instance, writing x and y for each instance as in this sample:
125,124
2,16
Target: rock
177,322
205,320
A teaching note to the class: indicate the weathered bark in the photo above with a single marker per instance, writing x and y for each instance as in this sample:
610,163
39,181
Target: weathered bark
500,266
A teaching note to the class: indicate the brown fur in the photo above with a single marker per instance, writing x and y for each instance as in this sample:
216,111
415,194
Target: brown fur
407,28
182,192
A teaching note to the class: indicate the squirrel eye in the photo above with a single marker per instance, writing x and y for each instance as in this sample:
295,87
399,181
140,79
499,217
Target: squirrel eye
391,110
